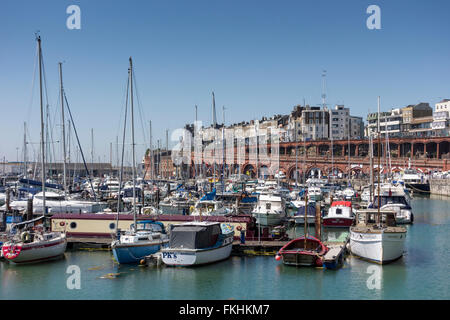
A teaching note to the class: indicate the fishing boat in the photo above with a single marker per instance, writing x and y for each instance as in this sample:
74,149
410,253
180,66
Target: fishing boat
376,236
303,252
32,243
270,209
340,215
198,243
147,238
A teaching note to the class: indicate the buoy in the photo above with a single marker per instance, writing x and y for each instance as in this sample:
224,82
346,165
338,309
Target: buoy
142,261
278,257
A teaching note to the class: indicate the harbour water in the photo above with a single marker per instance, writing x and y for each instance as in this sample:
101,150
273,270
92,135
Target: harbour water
422,273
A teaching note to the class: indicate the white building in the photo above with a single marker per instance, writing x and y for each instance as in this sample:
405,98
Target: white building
441,118
315,124
340,122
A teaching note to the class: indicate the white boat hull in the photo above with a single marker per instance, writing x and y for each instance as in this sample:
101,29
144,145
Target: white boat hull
301,220
39,251
268,219
377,247
191,257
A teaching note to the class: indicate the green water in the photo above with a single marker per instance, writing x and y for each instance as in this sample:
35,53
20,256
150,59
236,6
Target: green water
423,273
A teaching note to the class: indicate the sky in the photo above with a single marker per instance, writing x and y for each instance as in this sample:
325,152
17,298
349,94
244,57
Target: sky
259,57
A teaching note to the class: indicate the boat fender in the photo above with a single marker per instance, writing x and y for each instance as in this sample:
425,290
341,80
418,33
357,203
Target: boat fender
25,236
191,209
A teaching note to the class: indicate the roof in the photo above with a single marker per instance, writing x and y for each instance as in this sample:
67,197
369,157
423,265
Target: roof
342,204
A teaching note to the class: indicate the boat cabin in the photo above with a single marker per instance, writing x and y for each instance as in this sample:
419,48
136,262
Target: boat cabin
369,217
198,235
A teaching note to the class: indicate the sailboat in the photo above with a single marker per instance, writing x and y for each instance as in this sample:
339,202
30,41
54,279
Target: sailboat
144,237
34,242
376,236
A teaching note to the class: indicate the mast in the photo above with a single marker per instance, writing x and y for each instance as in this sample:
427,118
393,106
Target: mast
349,150
25,149
132,143
44,210
63,128
151,151
214,123
92,151
378,154
305,223
296,155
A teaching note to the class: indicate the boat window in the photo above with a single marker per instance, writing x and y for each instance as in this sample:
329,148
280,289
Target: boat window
338,211
388,200
268,205
73,225
112,225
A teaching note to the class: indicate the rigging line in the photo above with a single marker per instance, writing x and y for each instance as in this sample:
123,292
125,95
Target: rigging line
140,109
32,85
124,99
79,145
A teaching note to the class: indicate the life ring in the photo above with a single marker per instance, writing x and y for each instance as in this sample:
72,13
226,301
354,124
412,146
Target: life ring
62,223
239,228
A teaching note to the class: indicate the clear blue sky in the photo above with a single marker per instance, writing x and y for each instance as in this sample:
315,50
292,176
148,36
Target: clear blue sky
259,57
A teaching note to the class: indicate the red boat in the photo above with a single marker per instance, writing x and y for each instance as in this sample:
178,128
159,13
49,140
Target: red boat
339,215
303,252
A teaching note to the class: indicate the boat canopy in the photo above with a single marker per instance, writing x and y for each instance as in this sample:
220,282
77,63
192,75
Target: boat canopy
194,236
341,204
310,210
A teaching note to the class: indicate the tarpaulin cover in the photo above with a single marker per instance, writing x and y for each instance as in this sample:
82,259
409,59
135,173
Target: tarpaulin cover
311,210
194,237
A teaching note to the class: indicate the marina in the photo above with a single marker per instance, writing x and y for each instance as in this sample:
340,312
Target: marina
196,151
250,276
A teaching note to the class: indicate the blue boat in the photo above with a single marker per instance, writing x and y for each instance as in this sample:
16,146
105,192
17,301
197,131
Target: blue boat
132,246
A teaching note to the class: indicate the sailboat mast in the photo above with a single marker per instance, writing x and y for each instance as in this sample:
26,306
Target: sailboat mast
63,128
379,160
349,150
132,142
42,128
25,149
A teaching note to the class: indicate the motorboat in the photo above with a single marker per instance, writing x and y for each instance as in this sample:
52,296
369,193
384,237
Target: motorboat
395,199
198,243
348,193
340,214
270,209
315,193
209,208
